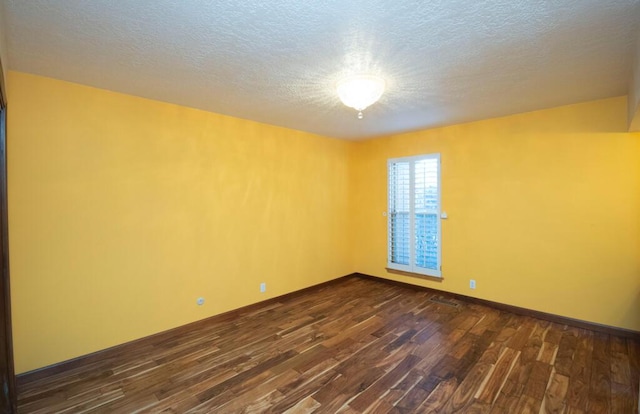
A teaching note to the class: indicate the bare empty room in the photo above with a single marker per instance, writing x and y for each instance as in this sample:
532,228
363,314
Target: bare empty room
320,206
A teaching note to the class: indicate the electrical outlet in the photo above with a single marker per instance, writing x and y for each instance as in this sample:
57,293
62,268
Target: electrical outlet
263,287
200,301
472,284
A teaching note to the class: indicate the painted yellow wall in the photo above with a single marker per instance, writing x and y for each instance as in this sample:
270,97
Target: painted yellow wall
544,210
122,211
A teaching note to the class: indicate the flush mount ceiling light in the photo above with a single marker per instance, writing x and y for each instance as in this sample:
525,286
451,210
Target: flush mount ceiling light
360,91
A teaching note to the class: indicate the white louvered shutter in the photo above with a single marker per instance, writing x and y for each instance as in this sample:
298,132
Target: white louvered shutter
414,214
399,211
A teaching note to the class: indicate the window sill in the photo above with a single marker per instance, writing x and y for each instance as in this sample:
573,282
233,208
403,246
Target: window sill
412,274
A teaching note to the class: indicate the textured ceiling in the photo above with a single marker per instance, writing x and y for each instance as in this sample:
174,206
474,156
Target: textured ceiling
278,61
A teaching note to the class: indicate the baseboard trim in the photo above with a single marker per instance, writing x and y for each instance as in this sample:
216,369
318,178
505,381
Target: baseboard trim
578,323
124,348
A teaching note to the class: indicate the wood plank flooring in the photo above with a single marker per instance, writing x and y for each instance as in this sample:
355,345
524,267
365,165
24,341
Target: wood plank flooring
358,346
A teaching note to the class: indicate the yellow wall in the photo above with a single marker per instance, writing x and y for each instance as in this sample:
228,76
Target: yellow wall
544,210
122,211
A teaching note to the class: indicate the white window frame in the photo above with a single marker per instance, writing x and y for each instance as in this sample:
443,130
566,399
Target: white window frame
412,267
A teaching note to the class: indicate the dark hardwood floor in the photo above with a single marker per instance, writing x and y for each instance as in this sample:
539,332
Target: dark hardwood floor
353,347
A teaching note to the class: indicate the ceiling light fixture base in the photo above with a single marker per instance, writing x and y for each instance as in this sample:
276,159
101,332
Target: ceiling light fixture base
360,91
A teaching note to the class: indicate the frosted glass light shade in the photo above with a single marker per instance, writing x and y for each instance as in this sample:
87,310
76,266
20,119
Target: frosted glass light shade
359,92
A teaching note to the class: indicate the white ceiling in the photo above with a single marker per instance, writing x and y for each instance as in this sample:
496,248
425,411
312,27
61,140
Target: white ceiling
278,61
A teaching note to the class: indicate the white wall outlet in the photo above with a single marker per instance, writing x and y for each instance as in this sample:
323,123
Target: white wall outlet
263,287
200,301
472,284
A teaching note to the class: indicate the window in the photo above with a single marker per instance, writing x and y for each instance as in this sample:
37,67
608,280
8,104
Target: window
414,215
